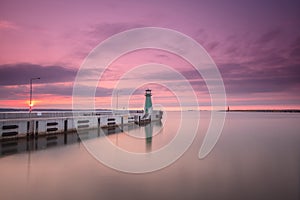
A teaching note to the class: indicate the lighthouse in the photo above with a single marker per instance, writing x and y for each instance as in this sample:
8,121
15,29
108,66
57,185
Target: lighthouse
148,102
149,114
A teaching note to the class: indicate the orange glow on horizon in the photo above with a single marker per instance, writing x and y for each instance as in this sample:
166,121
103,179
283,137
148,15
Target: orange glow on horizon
165,98
33,102
66,103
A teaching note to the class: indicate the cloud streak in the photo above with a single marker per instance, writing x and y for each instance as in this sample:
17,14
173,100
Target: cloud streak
20,73
7,25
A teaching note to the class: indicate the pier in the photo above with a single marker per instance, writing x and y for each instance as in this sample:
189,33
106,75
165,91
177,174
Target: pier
34,124
45,123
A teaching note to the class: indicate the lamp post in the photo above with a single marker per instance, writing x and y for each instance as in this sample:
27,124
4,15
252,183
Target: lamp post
117,100
30,98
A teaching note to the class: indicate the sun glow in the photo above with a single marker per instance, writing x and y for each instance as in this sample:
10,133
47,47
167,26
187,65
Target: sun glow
33,102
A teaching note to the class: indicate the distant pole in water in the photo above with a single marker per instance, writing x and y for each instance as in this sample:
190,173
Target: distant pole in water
148,101
228,109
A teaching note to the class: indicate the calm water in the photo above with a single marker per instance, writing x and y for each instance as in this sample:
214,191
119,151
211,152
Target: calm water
256,157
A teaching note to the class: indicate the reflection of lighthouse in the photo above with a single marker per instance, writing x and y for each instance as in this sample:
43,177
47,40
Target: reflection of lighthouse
149,132
148,102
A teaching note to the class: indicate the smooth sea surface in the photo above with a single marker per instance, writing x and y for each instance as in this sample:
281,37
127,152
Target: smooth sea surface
256,157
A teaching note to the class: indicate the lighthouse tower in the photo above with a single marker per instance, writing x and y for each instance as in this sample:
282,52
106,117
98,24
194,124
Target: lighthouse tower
149,114
148,102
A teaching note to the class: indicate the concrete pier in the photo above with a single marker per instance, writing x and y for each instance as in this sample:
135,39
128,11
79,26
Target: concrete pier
15,125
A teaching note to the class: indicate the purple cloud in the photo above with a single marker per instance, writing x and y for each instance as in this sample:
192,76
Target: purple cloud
269,36
20,73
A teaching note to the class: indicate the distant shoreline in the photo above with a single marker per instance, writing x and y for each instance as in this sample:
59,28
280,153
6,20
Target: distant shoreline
233,110
280,111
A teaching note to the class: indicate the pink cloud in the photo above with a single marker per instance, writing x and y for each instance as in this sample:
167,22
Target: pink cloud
7,25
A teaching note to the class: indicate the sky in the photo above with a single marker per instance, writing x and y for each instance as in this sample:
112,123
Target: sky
255,45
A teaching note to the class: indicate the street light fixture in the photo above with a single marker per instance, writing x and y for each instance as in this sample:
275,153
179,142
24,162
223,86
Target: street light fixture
30,100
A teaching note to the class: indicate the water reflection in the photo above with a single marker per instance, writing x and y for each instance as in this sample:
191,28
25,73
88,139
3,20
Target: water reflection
19,145
149,133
